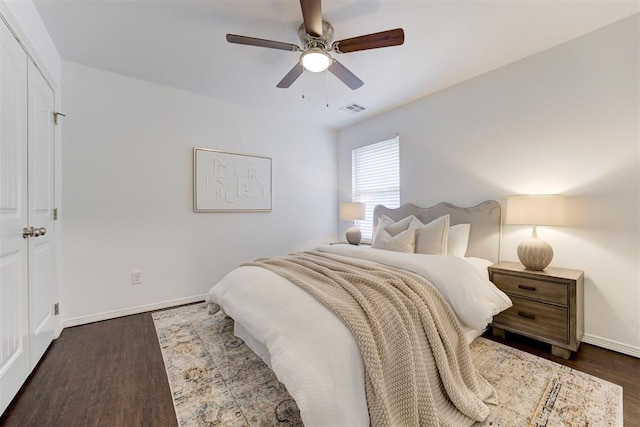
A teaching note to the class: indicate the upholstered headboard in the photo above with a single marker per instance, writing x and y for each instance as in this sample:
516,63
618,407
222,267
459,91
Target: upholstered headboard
485,220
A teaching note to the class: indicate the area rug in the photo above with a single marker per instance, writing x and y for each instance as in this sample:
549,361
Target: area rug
216,380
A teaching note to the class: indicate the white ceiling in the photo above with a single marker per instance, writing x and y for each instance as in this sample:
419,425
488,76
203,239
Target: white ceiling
181,43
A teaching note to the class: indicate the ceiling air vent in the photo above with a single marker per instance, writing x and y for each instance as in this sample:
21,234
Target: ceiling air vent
353,108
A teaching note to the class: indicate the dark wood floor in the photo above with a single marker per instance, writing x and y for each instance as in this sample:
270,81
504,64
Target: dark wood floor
108,373
111,374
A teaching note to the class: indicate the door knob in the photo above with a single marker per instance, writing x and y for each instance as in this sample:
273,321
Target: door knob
33,232
27,232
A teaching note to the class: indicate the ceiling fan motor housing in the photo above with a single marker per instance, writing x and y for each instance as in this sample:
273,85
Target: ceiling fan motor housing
310,41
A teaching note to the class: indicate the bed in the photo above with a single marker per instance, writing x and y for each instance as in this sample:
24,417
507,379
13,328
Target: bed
311,350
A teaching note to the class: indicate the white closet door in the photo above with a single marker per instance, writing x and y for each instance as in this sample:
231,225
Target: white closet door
14,332
41,204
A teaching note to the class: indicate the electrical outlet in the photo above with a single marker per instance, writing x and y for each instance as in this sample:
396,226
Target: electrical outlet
136,278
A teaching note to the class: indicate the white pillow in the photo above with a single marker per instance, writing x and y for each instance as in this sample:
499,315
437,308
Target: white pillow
458,239
432,238
395,236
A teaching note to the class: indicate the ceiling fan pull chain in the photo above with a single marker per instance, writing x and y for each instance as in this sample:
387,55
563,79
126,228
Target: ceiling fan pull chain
326,86
304,79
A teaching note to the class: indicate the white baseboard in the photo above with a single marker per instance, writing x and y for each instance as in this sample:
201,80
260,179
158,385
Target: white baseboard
612,345
81,320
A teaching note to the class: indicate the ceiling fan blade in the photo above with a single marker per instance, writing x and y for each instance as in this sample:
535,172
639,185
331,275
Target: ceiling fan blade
370,41
291,76
347,77
252,41
312,16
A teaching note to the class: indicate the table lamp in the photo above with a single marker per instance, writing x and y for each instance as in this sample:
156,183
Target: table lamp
538,209
353,211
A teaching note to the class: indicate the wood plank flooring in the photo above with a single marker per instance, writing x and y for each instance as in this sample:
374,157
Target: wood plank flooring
108,373
111,373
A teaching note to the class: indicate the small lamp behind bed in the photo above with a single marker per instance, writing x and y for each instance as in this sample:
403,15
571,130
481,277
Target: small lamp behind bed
353,211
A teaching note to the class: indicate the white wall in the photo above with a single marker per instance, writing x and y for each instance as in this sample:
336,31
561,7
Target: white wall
128,193
562,121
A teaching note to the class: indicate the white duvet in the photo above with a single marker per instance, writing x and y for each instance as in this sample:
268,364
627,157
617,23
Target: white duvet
312,352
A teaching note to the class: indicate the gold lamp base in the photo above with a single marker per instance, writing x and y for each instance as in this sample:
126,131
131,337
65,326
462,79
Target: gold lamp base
535,254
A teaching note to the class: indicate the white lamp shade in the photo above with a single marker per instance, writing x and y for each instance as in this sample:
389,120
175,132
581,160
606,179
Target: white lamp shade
538,209
352,211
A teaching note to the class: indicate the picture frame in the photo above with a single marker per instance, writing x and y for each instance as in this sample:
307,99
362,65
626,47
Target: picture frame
224,181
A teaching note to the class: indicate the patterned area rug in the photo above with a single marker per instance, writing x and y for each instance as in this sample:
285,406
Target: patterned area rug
216,380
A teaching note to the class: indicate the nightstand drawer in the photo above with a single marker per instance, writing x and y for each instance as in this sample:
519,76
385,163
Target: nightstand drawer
535,318
557,293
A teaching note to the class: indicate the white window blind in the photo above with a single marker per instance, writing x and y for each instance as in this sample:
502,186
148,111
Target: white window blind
375,178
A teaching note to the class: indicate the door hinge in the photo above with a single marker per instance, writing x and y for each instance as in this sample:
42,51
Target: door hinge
55,214
56,309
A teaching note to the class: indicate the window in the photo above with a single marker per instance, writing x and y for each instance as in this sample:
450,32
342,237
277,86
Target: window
375,179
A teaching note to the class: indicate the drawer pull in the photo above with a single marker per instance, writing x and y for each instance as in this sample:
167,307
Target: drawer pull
526,315
527,288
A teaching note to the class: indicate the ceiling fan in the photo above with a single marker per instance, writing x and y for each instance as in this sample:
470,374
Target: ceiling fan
317,39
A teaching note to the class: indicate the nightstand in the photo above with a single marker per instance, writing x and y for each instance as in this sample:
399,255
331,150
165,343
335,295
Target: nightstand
547,305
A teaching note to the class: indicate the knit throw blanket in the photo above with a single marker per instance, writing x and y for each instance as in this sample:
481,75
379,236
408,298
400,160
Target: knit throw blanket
418,370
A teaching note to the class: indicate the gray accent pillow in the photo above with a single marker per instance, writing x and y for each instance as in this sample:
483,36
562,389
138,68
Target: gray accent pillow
394,228
395,236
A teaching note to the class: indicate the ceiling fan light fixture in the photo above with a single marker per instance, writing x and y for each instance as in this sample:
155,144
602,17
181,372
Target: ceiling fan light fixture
315,60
